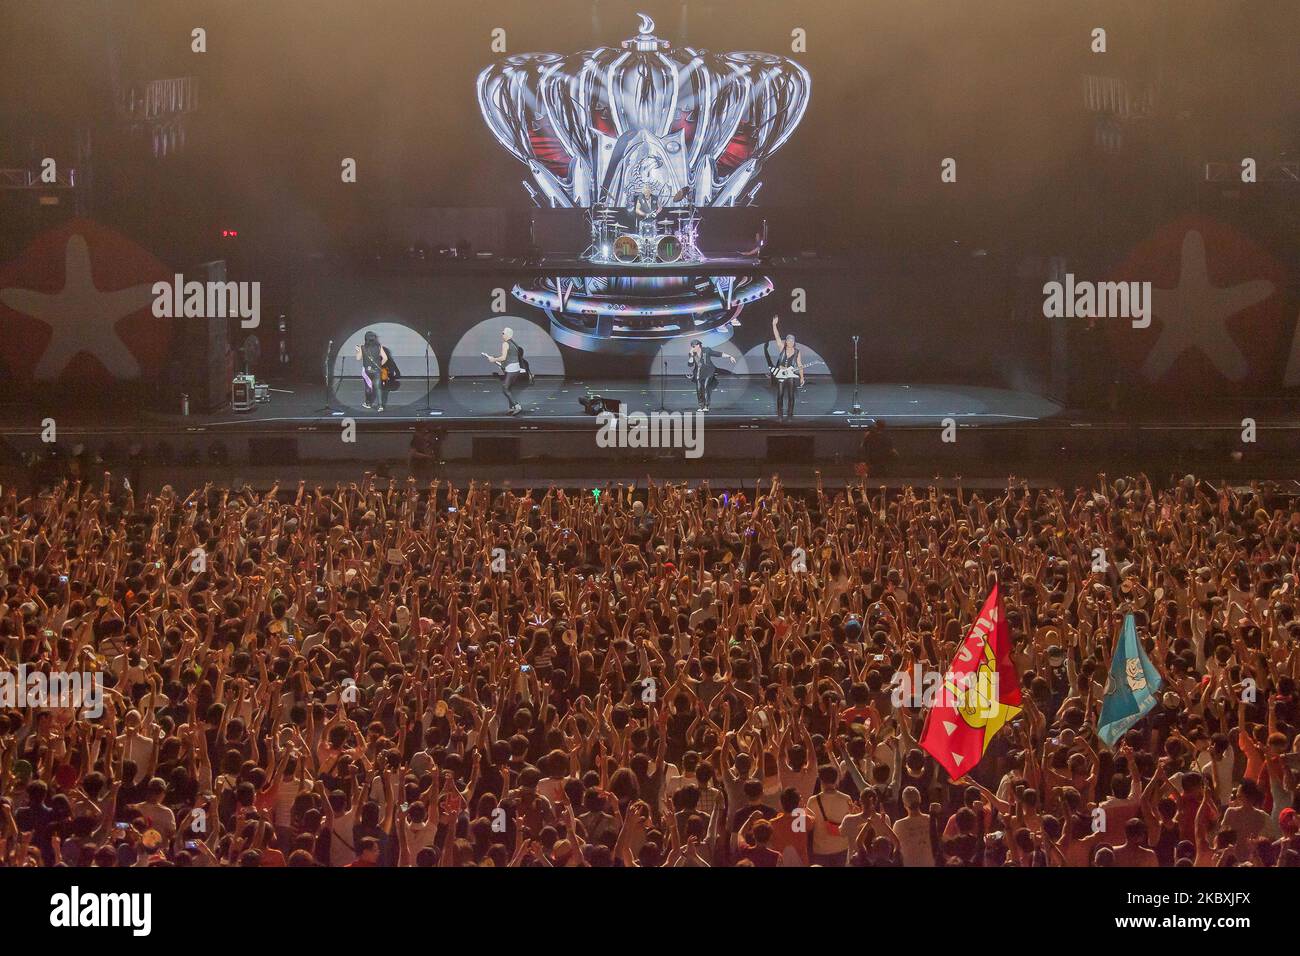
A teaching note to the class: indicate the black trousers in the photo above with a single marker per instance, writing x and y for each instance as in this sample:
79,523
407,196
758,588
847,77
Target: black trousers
704,386
507,383
785,389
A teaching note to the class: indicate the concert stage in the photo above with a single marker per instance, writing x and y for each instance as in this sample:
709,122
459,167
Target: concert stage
477,404
997,431
738,400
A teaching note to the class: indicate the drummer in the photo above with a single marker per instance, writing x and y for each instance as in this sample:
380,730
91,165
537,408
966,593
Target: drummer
646,208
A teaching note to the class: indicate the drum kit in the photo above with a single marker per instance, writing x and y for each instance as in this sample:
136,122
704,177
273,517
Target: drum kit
670,237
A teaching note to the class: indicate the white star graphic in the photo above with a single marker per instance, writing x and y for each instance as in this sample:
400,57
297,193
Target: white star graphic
1193,315
81,317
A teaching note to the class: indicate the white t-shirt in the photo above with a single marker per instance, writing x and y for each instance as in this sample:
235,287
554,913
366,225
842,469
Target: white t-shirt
552,788
342,851
914,840
829,810
138,748
421,836
284,799
1223,765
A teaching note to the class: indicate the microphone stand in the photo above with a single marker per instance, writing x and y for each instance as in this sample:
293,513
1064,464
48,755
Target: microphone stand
329,382
857,406
663,382
426,374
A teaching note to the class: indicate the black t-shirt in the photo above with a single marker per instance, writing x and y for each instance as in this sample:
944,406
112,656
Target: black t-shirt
40,819
1060,681
678,725
741,816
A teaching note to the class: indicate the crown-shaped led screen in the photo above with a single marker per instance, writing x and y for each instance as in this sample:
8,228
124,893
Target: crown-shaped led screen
594,126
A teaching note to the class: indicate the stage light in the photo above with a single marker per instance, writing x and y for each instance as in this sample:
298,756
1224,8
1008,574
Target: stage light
598,405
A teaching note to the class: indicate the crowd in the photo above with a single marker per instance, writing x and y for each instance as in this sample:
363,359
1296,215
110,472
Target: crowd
424,675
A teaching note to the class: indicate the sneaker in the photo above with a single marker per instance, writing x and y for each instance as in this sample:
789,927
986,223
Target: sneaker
706,408
516,409
379,408
367,406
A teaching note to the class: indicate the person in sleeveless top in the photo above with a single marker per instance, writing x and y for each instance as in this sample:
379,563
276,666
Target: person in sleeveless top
789,362
509,360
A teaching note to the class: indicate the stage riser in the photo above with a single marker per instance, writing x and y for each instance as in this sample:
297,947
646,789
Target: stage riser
977,450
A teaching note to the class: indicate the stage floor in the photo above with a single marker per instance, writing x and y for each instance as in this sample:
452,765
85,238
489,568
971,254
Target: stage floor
1001,431
478,401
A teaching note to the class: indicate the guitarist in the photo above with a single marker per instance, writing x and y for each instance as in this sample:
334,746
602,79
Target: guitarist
374,359
787,367
703,372
510,360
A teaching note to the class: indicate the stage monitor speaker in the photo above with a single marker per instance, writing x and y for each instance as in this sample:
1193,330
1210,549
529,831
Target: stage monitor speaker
201,363
495,450
789,449
273,450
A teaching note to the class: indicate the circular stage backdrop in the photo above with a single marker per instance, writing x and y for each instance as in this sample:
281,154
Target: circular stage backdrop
474,383
407,347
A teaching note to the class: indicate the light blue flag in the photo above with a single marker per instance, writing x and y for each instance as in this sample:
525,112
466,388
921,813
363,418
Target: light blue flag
1131,687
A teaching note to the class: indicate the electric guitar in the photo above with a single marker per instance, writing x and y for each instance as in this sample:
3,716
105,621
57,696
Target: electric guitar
524,370
781,373
777,372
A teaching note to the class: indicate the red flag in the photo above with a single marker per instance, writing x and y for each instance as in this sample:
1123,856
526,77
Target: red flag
980,693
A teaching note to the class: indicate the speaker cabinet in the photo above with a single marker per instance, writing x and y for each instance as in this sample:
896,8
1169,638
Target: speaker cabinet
495,450
273,449
790,449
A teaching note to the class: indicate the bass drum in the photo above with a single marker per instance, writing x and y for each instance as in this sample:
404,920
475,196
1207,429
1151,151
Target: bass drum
668,249
626,248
